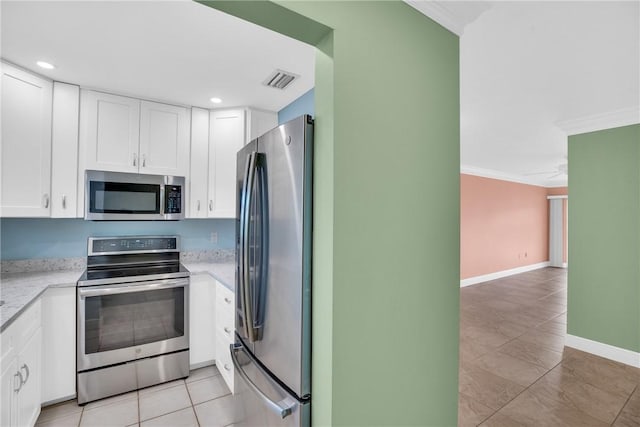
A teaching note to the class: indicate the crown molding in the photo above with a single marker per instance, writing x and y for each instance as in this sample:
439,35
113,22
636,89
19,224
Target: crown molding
439,13
504,176
596,122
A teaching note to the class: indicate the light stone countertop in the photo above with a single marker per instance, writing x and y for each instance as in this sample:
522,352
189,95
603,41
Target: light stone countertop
19,290
224,272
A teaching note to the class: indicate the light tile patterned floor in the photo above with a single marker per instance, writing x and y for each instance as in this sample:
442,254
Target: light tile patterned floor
203,399
515,369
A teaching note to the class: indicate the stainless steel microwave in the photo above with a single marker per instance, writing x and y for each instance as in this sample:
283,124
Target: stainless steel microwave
121,196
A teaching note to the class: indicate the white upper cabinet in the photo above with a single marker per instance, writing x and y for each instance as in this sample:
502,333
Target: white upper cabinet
199,171
226,137
259,122
110,129
164,139
26,144
64,151
122,134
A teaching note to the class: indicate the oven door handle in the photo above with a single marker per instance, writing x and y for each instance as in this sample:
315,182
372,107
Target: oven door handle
94,291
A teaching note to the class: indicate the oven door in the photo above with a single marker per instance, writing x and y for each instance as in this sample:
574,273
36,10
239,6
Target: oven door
123,322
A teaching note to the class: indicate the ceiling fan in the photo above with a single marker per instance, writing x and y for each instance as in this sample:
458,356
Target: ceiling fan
562,169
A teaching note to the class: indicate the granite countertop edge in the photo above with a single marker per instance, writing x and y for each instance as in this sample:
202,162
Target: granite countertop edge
20,290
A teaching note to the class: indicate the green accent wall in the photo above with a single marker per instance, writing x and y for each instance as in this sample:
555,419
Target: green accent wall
604,237
386,209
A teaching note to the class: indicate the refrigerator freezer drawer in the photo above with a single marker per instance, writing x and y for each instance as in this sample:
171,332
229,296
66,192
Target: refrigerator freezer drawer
260,401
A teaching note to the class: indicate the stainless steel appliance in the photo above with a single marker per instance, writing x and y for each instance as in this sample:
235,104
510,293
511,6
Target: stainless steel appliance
133,315
131,196
272,351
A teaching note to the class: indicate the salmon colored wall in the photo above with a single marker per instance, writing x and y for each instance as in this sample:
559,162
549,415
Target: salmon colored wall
562,191
503,225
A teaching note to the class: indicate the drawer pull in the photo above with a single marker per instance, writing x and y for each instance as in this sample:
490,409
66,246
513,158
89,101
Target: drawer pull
227,330
227,300
26,368
19,375
226,366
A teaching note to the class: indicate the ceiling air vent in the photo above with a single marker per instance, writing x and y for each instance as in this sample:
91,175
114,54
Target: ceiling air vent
280,79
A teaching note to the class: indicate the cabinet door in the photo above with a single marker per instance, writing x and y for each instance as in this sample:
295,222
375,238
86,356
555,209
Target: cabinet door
226,138
29,396
260,122
9,381
64,150
164,139
199,168
110,130
26,144
59,344
202,321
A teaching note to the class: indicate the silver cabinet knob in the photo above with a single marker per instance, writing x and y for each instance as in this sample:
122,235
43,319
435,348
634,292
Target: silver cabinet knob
46,200
64,202
198,205
227,330
226,366
210,205
227,300
26,368
135,159
17,388
144,160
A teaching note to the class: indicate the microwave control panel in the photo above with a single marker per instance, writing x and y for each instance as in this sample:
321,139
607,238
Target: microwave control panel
173,199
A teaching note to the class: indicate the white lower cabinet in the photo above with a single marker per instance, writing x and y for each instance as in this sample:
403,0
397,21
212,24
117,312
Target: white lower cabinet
202,319
225,319
58,344
21,374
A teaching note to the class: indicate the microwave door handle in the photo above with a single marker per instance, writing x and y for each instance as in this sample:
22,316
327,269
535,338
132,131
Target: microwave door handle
162,201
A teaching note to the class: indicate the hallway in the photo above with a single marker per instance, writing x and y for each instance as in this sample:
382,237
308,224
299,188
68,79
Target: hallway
515,370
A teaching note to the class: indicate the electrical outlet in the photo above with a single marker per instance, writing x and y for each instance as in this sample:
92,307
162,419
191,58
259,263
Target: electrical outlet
213,238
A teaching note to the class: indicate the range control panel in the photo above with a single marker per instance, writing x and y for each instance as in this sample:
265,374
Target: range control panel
137,244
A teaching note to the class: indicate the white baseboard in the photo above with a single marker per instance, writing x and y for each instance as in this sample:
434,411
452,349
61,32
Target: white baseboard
500,274
607,351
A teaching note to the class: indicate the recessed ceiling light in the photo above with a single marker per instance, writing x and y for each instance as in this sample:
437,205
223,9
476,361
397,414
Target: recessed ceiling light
45,65
216,100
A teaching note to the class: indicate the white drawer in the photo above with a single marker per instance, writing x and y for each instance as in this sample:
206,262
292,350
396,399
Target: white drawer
224,363
18,333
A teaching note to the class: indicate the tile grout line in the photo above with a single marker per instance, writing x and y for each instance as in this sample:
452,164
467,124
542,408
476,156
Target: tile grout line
624,406
516,396
193,408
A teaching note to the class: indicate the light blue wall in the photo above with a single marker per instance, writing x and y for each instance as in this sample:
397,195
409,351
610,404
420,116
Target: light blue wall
303,105
23,238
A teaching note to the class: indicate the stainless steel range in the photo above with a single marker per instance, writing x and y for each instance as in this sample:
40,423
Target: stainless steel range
133,315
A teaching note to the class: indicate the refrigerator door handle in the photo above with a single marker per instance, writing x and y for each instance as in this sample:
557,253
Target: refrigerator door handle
284,407
245,274
262,268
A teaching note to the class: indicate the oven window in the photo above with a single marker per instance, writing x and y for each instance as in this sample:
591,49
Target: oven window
120,197
132,319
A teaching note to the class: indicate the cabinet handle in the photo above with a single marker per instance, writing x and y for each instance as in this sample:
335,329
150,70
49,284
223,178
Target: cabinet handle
46,200
19,375
226,366
227,300
227,330
26,368
135,159
198,205
210,205
144,160
64,202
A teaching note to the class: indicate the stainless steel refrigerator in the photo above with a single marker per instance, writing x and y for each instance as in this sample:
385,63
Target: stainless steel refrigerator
272,350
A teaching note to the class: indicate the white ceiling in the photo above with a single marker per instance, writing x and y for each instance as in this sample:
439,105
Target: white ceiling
174,51
529,71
